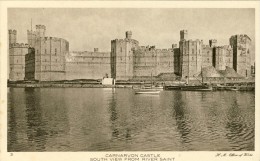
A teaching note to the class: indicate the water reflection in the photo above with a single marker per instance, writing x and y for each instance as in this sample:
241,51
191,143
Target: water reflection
237,129
179,115
90,119
12,122
35,126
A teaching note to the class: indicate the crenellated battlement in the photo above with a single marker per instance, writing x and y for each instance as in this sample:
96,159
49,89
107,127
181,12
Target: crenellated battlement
41,27
12,32
19,45
53,38
228,47
31,32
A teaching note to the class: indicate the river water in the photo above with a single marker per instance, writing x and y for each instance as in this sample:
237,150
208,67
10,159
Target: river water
99,119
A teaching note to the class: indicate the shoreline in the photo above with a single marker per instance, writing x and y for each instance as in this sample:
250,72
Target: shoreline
241,87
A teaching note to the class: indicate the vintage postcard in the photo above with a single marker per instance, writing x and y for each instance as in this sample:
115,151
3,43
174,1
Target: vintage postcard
129,81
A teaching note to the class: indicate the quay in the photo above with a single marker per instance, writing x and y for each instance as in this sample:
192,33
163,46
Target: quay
240,86
64,85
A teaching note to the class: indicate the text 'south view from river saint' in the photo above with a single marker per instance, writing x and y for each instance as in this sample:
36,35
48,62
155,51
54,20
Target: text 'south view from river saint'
111,79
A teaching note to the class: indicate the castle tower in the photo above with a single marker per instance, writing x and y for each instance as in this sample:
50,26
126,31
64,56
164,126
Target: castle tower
122,57
241,54
183,35
95,49
190,56
128,34
212,42
31,38
40,30
12,37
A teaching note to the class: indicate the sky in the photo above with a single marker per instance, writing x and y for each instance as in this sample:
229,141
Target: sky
90,28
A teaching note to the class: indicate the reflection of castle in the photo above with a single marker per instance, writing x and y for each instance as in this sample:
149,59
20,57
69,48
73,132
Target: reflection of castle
49,59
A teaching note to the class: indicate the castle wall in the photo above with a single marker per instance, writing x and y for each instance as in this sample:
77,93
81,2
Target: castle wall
17,54
145,62
165,59
152,62
87,65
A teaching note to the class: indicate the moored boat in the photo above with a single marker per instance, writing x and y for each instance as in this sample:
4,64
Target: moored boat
147,91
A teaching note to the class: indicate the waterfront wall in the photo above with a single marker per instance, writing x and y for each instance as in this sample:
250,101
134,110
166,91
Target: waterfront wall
49,59
87,65
149,61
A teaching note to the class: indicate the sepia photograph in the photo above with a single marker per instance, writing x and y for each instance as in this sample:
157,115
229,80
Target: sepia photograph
127,79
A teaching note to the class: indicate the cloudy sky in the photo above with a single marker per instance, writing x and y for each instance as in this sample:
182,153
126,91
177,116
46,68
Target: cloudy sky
86,29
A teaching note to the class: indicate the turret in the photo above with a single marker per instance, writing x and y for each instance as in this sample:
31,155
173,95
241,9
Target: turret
40,30
12,37
31,38
128,34
95,49
212,42
184,35
174,46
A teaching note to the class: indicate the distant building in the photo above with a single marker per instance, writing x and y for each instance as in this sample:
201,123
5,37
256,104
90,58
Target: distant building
17,52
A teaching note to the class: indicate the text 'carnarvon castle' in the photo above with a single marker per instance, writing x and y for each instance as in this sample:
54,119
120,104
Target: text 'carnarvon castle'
49,59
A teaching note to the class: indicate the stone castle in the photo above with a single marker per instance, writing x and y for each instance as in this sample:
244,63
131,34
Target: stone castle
49,59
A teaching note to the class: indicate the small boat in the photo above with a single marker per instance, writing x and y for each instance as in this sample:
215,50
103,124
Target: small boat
147,91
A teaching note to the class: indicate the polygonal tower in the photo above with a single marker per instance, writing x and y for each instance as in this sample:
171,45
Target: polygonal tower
183,35
31,38
40,30
128,34
212,42
241,54
122,57
12,37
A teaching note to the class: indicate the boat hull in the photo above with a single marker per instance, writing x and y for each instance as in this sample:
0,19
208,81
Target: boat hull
147,92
